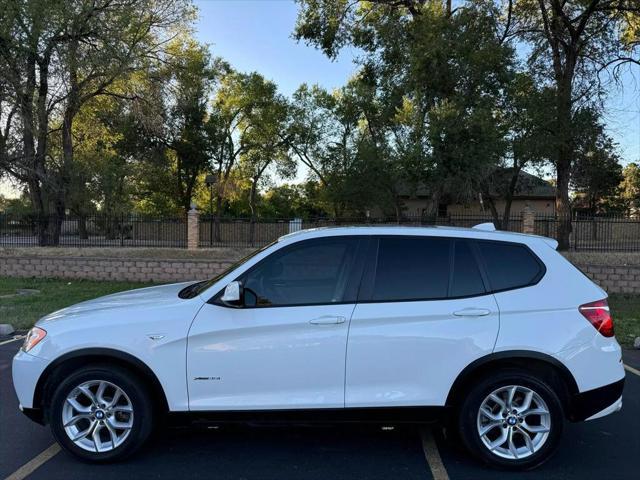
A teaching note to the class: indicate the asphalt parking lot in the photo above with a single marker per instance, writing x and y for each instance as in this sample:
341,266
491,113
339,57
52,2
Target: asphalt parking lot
604,448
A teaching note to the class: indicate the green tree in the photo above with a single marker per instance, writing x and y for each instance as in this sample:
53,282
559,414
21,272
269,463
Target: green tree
630,188
597,172
180,95
232,127
438,79
57,56
526,115
293,201
570,45
265,147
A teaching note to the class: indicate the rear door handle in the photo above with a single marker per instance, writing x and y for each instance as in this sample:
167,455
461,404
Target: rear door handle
327,320
472,312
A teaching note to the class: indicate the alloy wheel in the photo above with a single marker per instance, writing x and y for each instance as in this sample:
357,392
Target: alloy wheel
97,416
514,422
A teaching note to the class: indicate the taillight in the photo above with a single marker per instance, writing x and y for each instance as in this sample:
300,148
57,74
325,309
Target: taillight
599,316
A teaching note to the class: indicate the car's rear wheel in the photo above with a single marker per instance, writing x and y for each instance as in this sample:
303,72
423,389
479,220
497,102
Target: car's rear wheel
101,413
511,420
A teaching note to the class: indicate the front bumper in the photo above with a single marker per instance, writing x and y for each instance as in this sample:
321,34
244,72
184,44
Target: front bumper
597,403
26,370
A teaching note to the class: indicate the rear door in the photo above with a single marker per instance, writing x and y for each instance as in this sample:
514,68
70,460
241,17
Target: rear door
422,316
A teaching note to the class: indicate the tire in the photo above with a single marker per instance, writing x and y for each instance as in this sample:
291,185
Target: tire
87,402
482,430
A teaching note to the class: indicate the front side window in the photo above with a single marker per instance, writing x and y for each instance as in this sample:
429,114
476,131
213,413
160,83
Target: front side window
311,272
509,265
412,268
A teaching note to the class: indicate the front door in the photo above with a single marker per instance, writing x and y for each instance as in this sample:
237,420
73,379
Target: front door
285,349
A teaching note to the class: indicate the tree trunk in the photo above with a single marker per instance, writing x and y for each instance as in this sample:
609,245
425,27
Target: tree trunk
82,227
497,222
216,218
508,198
563,163
252,207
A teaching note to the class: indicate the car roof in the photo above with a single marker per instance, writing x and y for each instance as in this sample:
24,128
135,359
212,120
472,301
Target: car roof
429,231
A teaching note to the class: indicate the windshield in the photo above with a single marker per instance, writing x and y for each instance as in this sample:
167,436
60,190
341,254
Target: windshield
197,288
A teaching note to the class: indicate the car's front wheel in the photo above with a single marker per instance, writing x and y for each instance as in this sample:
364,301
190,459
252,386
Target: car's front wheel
101,413
511,420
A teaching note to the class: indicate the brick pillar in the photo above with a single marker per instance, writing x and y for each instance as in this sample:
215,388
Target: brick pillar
193,229
528,220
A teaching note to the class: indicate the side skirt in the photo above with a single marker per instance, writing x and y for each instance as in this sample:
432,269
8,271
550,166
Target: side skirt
319,416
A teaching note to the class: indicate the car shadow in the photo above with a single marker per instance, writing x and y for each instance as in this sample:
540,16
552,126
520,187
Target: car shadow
244,452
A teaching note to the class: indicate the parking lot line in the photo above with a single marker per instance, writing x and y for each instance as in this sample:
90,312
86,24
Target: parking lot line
17,337
438,471
632,370
29,467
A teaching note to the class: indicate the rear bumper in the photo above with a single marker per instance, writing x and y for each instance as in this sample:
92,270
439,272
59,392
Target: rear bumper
597,403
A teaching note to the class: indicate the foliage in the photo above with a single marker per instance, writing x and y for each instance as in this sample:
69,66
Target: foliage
597,172
451,118
630,188
57,57
114,107
15,206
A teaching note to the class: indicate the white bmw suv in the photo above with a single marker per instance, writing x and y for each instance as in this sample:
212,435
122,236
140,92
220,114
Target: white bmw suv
385,324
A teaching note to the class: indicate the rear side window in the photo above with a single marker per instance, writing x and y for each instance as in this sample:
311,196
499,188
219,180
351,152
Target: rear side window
412,268
467,279
509,265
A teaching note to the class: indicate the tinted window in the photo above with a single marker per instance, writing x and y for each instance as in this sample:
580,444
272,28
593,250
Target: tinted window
312,272
412,268
509,265
467,279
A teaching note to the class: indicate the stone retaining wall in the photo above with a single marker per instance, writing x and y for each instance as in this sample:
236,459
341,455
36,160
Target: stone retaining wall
614,278
126,269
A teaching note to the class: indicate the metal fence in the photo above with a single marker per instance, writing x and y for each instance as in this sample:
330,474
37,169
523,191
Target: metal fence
238,232
600,233
95,230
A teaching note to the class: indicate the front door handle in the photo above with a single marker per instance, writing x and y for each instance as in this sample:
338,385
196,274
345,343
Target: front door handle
472,312
328,320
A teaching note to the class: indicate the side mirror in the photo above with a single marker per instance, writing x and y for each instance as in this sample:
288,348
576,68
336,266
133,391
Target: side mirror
233,294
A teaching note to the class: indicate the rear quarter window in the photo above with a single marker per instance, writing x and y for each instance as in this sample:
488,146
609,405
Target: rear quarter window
510,265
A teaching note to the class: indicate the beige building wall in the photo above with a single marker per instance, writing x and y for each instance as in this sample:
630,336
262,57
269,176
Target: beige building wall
543,207
416,207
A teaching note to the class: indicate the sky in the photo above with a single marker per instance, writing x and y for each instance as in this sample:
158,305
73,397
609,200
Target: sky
255,35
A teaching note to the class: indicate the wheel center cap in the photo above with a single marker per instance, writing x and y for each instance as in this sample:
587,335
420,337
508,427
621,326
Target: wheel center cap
99,414
511,420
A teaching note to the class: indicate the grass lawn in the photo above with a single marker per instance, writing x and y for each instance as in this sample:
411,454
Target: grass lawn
23,311
626,317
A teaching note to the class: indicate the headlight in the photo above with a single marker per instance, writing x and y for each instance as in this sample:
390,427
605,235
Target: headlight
35,335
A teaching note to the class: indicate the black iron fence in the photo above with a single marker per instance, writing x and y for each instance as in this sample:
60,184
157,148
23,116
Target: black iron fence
239,232
599,233
93,231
